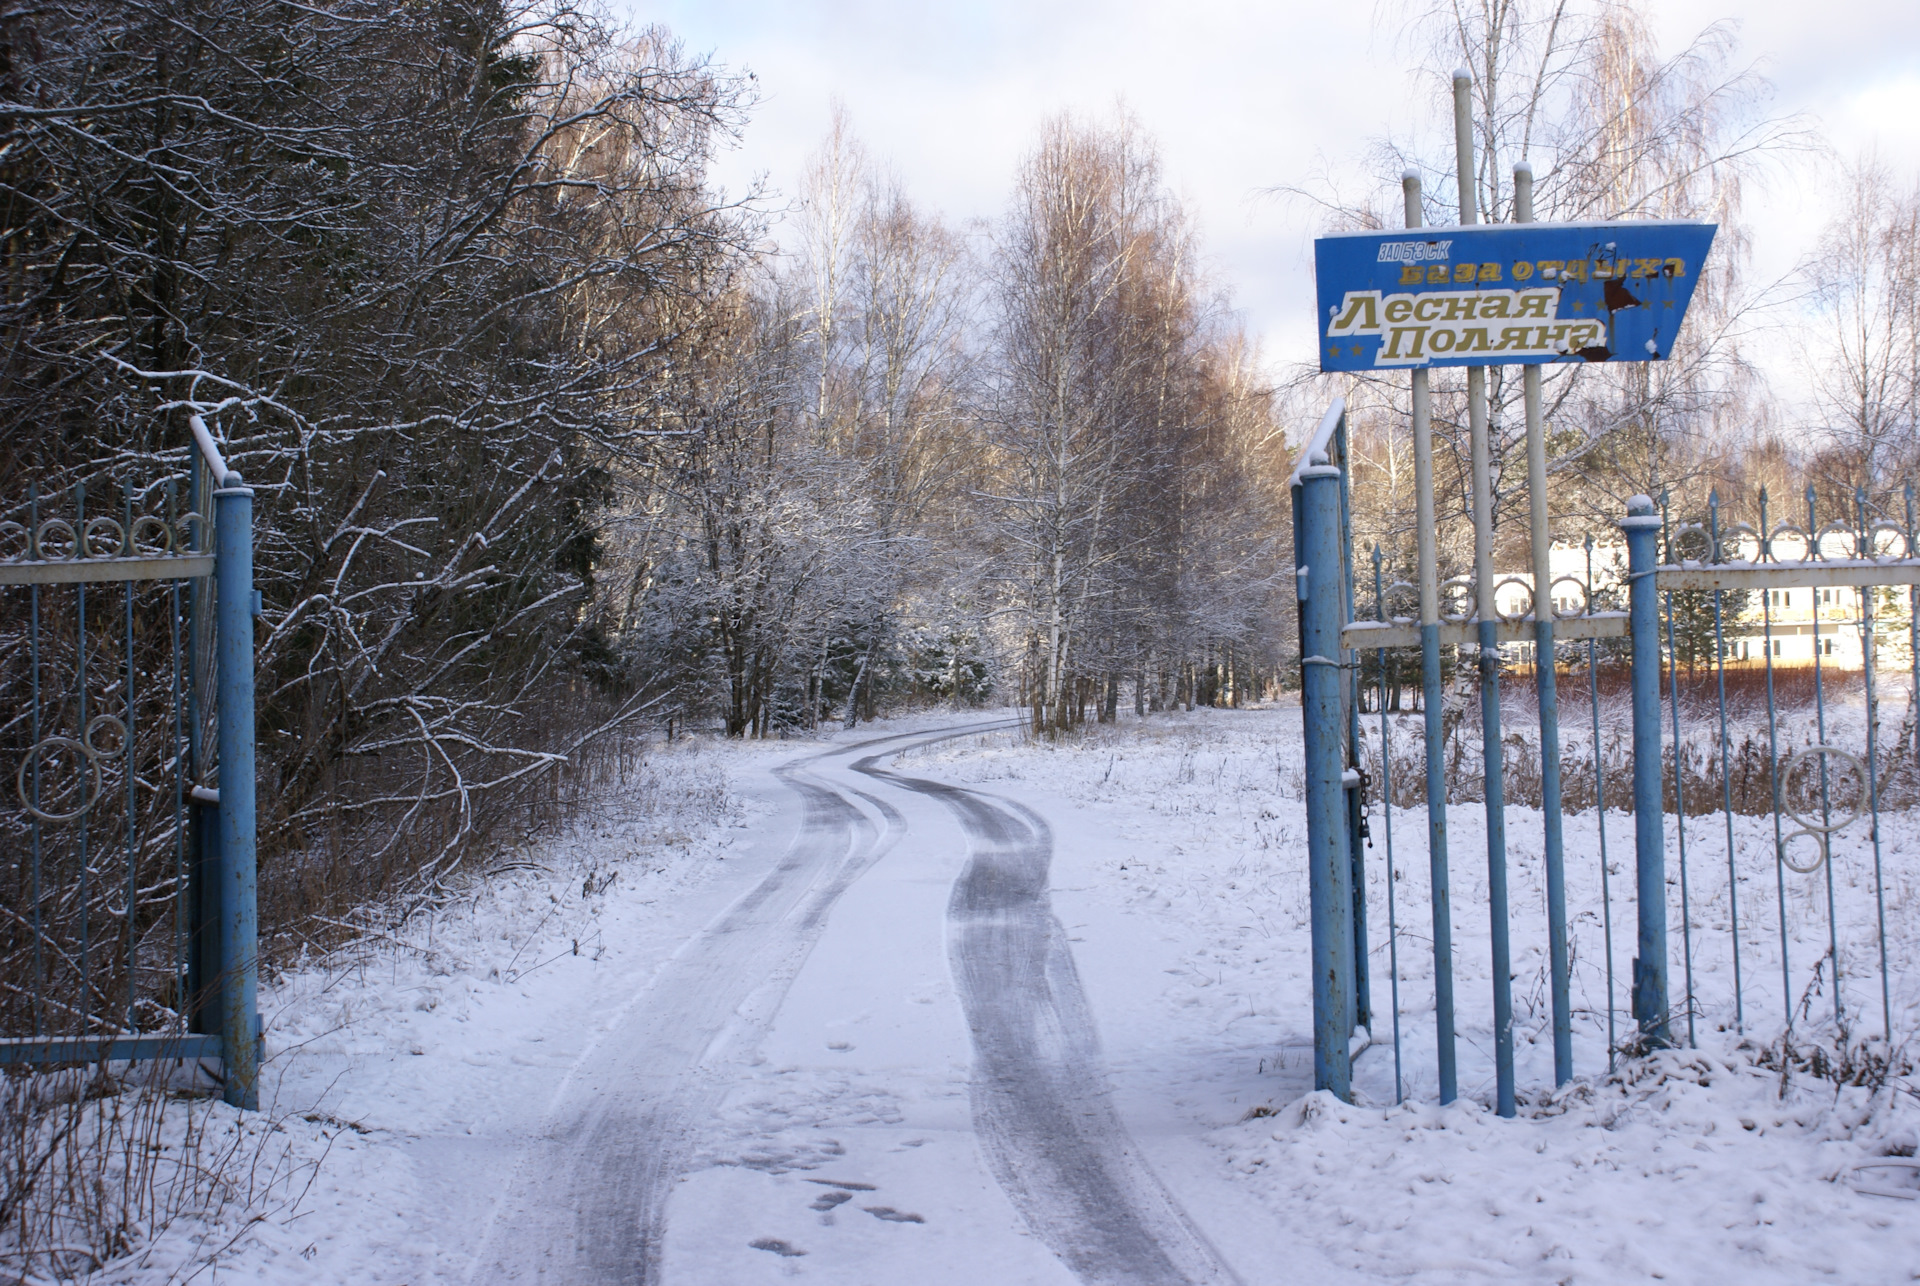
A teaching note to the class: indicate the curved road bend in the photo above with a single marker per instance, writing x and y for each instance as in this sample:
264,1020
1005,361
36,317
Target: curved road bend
589,1201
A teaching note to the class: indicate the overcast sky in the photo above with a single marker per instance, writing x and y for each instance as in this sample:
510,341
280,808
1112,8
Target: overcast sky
1241,97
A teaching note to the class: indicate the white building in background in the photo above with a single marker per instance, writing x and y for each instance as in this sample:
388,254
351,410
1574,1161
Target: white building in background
1513,595
1792,623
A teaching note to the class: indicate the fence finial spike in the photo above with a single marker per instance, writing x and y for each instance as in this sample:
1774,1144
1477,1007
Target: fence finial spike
1713,498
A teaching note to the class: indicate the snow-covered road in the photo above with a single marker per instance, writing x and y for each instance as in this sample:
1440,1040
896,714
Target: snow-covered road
840,964
1039,1094
934,1003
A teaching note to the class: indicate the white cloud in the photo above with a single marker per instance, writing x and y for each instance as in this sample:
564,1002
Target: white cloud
1242,97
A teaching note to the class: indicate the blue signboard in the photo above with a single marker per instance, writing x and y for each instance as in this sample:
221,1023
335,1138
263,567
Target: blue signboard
1505,293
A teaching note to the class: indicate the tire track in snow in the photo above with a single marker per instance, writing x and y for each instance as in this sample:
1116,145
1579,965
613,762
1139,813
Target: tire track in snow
1040,1100
589,1202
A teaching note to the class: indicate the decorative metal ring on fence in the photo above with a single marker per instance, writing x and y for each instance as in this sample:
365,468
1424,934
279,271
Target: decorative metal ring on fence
1797,532
42,756
58,532
1512,618
58,753
1820,832
1732,536
162,543
1586,598
1904,549
98,722
1407,593
1464,585
184,529
1704,550
102,536
102,524
1836,528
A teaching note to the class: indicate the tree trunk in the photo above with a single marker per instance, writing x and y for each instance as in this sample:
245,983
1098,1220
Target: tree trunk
859,677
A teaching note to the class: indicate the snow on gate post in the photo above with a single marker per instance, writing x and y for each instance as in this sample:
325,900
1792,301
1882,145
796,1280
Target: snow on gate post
1320,572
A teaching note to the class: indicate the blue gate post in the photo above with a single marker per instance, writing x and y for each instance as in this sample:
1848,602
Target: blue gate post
236,935
1642,527
1322,599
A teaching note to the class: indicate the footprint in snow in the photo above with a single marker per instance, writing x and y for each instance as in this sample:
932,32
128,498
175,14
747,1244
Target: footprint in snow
891,1215
784,1249
828,1200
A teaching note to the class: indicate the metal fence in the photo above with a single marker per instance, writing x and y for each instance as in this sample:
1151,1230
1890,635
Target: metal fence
1814,594
126,748
1758,651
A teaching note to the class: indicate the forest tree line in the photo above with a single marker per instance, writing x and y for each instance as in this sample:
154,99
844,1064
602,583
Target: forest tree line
554,443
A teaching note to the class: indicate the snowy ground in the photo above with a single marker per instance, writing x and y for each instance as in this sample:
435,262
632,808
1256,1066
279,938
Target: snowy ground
1691,1167
794,991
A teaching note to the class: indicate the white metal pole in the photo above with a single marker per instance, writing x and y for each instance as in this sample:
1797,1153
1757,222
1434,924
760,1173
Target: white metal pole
1423,451
1536,434
1476,375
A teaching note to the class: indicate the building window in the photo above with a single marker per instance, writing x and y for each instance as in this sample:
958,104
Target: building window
1776,647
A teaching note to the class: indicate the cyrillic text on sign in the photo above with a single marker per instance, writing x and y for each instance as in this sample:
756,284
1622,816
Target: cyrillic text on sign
1414,329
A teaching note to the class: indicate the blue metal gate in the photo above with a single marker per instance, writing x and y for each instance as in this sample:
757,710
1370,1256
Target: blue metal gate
129,931
1759,604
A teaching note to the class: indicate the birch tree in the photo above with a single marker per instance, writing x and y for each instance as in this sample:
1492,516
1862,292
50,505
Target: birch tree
1862,353
1108,417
